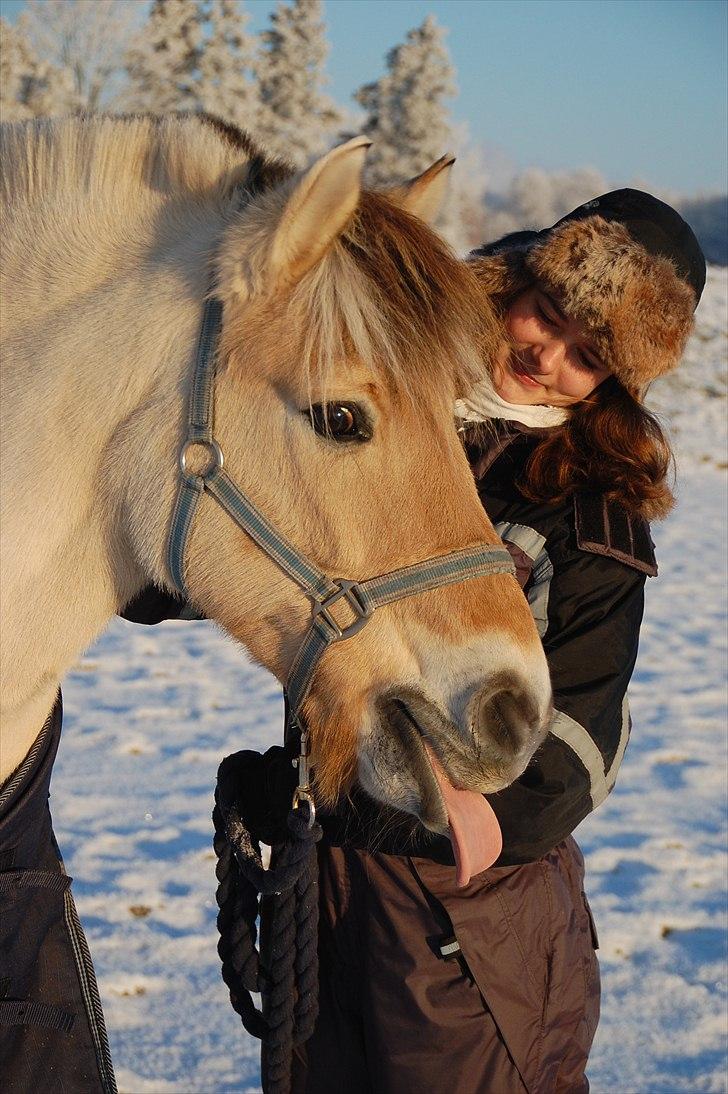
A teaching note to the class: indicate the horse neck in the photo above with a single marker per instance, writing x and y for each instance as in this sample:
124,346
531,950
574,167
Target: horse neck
88,371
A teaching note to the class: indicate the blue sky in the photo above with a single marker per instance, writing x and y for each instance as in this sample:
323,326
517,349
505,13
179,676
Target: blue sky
635,88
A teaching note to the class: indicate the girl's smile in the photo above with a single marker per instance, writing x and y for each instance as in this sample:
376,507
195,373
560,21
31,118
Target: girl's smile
519,372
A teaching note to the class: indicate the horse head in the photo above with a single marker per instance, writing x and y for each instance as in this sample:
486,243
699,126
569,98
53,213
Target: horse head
348,332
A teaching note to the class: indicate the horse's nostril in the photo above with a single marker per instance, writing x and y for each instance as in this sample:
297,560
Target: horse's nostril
510,717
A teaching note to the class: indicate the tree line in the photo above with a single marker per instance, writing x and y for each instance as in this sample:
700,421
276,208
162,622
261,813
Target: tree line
198,55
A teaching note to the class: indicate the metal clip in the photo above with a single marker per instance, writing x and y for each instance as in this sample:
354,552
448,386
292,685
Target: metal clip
303,792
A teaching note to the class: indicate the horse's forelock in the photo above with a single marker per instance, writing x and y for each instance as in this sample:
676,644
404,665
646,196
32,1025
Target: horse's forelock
392,291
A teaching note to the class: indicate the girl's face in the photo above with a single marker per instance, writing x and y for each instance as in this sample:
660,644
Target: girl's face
551,359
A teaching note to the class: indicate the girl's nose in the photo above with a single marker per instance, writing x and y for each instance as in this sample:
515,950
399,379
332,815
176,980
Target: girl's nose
549,356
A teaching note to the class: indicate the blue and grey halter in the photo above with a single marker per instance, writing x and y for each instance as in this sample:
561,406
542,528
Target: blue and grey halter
361,597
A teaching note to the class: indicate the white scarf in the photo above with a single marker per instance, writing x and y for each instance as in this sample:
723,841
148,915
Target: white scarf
483,403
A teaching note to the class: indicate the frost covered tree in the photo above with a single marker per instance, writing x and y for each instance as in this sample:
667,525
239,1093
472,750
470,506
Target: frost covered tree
537,199
406,116
226,62
194,55
463,220
29,86
297,119
163,61
84,40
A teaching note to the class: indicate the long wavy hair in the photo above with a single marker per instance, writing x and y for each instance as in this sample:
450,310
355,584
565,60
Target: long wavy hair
609,443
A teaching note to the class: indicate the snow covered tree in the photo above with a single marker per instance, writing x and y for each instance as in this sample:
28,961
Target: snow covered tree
82,39
226,59
537,199
297,120
30,87
162,62
408,120
463,218
406,115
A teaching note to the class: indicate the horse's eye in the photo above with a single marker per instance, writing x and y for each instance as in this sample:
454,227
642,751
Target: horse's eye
340,421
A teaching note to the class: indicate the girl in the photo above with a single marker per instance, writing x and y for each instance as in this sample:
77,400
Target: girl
494,988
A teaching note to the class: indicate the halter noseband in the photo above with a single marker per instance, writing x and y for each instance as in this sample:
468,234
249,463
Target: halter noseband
362,597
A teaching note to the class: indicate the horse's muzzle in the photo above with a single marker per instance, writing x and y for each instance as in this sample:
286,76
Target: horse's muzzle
505,729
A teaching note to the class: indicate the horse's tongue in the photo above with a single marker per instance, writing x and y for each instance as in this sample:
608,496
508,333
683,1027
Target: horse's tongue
474,830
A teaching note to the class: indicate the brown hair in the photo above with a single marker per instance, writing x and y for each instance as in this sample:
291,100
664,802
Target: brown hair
610,443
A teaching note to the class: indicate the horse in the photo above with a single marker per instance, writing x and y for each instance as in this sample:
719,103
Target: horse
348,331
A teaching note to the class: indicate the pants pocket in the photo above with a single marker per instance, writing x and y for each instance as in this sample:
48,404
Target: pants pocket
592,977
592,924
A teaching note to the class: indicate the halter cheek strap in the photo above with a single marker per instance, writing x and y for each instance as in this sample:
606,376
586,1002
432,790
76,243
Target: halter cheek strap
324,592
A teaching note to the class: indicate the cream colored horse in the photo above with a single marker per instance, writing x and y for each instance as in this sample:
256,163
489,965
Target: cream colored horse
348,332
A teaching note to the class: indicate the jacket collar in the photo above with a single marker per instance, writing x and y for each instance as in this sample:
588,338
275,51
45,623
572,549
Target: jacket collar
486,441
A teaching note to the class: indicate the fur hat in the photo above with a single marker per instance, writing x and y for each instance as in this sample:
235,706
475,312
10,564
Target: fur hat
626,265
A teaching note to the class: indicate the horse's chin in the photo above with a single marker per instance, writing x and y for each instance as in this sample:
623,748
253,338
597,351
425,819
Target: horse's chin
394,768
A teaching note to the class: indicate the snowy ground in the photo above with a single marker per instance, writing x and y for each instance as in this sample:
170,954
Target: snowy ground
150,712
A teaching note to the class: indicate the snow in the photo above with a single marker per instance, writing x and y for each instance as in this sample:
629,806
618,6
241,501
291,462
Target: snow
151,711
656,851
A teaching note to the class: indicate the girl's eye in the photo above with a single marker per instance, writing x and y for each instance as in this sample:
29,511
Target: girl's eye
340,421
586,362
543,315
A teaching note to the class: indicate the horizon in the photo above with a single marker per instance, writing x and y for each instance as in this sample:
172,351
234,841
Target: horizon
655,111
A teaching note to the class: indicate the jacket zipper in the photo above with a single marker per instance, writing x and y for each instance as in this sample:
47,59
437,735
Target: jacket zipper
90,992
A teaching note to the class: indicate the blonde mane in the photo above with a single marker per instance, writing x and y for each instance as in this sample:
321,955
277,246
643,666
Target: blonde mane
403,300
389,290
110,157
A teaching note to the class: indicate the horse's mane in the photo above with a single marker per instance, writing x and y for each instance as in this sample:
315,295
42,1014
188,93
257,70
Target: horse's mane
389,289
100,155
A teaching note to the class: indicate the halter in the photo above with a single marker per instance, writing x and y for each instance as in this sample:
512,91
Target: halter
361,597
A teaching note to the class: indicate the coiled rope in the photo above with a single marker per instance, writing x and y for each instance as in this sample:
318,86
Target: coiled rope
285,970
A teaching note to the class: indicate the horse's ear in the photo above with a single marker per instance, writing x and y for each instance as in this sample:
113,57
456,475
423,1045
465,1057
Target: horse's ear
423,196
317,211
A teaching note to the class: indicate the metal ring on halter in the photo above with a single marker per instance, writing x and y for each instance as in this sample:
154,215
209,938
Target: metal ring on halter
213,449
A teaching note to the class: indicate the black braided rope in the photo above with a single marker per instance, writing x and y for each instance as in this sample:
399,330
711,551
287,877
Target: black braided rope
285,972
306,961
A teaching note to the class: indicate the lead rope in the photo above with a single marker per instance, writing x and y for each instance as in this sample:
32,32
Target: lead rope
285,971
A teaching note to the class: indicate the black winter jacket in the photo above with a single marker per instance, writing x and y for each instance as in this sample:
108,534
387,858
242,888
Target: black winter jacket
582,564
585,564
